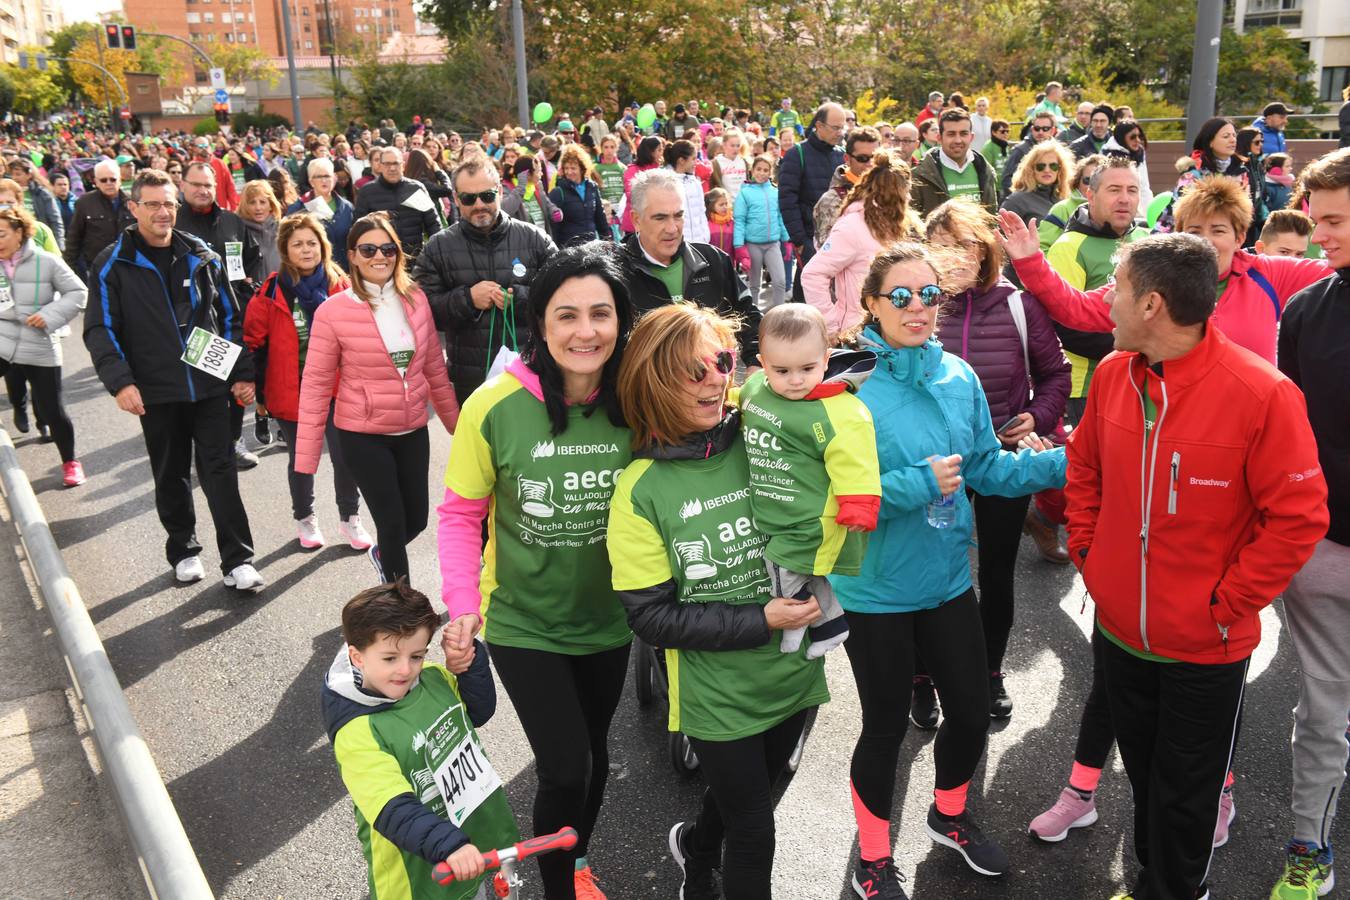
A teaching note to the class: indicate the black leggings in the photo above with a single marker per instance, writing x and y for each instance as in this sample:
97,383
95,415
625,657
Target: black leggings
736,821
47,405
302,485
391,472
565,704
881,649
998,527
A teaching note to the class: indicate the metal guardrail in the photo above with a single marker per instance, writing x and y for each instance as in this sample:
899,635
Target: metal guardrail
166,858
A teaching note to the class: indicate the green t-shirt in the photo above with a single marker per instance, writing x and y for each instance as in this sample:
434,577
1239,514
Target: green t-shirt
302,330
545,579
803,455
672,276
961,184
611,180
425,745
691,521
785,119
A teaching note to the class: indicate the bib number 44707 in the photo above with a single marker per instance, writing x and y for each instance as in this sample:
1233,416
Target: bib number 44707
465,779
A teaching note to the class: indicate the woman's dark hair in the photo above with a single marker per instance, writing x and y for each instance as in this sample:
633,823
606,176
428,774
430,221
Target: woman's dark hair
649,151
600,259
679,150
419,166
1245,136
1124,127
1205,137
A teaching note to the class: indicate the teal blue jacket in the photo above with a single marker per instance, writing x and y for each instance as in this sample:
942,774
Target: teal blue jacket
758,219
926,402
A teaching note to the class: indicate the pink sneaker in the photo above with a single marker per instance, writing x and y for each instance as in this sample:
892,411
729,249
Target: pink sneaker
72,473
1227,813
1070,811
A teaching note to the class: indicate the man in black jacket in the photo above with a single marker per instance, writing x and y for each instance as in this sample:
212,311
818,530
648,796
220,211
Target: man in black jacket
1314,332
477,273
803,176
1099,132
224,232
100,216
663,267
410,207
150,293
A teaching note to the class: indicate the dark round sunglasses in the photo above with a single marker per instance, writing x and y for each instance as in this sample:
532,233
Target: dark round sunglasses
1043,167
929,295
467,199
368,251
723,362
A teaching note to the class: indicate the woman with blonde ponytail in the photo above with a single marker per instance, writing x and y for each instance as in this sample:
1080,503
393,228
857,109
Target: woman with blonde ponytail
876,213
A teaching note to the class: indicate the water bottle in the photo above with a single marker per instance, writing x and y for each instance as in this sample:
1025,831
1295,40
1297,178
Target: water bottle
942,512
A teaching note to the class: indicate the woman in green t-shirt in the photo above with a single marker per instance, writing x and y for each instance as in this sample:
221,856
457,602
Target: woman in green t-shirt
689,567
536,453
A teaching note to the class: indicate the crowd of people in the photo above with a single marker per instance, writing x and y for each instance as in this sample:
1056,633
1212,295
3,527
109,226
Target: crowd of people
748,392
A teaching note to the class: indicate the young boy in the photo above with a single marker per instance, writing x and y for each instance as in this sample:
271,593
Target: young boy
403,732
1286,233
814,479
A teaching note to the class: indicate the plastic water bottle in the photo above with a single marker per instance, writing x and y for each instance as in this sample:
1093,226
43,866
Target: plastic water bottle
942,512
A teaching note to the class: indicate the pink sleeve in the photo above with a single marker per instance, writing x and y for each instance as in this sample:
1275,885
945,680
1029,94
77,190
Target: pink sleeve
316,390
1289,274
438,379
459,543
1070,307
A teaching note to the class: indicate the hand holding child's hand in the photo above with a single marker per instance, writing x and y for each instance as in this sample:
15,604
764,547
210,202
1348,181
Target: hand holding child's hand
457,643
466,863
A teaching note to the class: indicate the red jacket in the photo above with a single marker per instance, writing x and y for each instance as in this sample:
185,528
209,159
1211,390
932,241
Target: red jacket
227,195
269,331
1183,536
1246,312
346,350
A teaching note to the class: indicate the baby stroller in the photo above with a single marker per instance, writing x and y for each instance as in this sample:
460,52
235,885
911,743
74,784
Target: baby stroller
651,680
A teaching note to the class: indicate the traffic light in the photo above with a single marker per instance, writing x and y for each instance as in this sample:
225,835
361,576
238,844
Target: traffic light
222,113
128,37
114,32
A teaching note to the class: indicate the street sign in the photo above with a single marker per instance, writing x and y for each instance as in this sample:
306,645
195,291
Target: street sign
218,79
222,95
126,112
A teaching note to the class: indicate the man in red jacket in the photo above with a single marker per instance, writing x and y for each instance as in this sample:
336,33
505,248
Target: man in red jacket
1194,495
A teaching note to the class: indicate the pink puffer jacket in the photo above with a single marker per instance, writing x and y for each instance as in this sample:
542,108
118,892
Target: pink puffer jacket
345,347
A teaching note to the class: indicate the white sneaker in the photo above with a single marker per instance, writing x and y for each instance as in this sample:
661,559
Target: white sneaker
189,570
307,529
355,534
244,578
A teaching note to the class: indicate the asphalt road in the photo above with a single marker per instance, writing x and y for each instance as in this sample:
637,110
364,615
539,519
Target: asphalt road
226,690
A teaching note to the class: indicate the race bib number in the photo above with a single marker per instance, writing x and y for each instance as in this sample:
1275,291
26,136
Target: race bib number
210,353
234,260
465,780
6,300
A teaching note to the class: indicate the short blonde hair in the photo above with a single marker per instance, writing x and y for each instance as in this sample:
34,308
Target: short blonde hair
1025,177
660,356
1217,195
260,187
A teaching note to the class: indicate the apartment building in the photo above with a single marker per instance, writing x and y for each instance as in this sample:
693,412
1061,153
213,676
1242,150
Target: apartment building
1323,26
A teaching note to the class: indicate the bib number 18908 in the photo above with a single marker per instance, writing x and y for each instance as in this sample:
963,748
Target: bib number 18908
210,353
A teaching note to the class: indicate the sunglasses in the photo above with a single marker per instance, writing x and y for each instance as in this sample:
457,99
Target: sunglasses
723,362
1044,167
467,199
929,295
368,251
106,180
863,158
1042,128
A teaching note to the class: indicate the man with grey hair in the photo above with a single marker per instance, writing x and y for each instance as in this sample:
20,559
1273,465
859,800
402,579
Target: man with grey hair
663,267
330,208
99,217
804,175
477,273
410,207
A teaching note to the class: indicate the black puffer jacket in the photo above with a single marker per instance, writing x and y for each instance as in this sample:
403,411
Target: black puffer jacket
135,331
218,227
457,259
583,215
96,223
414,217
803,176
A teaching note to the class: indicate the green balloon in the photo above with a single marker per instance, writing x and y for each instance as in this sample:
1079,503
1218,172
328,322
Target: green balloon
646,116
543,112
1156,207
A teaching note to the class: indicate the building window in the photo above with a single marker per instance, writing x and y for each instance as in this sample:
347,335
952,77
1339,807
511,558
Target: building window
229,37
1264,13
209,17
193,18
1335,79
307,28
309,45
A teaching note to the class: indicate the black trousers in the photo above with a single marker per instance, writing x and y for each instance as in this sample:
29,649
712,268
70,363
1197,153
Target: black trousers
998,526
47,405
565,704
881,649
302,485
1176,724
391,472
736,820
1095,732
175,434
